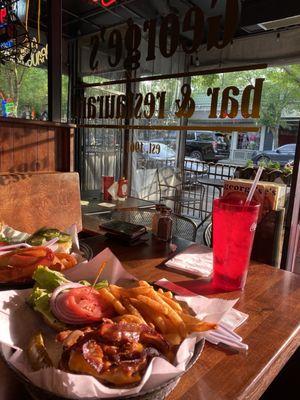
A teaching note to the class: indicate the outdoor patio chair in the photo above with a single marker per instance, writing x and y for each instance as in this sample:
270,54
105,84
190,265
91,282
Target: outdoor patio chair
182,190
183,227
169,185
207,235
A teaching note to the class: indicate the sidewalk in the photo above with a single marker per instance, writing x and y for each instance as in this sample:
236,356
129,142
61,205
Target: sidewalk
228,161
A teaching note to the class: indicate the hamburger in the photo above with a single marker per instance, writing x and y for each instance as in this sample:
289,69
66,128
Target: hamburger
18,265
115,353
44,235
52,294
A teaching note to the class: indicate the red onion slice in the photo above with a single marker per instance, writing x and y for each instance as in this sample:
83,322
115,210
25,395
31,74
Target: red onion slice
54,303
66,315
63,287
63,313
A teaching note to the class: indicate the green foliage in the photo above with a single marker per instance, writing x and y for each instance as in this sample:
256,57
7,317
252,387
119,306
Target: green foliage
34,90
273,165
287,169
171,86
28,87
281,92
262,163
64,97
280,95
269,164
202,82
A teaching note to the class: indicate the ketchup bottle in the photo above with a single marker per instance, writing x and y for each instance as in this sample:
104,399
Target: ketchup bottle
122,187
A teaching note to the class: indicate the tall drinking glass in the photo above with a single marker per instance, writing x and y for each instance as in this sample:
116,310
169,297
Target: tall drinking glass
233,232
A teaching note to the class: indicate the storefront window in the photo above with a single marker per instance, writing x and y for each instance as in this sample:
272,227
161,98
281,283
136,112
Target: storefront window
101,148
152,150
64,98
248,141
23,67
279,113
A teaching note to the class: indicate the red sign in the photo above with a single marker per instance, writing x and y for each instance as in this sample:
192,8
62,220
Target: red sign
2,15
105,3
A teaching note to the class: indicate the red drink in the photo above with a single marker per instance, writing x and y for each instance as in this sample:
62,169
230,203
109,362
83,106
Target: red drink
233,233
107,181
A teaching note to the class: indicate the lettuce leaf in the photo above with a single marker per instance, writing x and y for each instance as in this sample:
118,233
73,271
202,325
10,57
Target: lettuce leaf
99,285
40,302
48,279
36,294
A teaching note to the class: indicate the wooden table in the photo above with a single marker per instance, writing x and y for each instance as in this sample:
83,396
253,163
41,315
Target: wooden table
130,203
272,300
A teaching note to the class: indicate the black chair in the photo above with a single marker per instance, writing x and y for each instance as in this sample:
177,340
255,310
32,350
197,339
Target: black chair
184,192
183,227
207,235
170,186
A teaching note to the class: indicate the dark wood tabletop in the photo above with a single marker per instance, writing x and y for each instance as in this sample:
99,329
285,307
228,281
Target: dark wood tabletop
272,300
130,203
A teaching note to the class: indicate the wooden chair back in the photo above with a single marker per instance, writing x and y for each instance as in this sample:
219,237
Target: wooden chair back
268,240
34,200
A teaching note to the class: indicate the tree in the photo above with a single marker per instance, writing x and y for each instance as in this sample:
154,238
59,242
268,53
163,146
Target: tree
34,90
281,92
281,96
64,97
28,87
12,76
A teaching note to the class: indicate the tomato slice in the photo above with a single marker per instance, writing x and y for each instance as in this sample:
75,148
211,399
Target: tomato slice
87,303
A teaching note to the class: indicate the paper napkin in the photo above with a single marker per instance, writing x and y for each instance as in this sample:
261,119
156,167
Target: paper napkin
196,260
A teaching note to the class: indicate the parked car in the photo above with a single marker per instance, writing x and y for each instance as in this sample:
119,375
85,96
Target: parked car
169,138
283,155
206,146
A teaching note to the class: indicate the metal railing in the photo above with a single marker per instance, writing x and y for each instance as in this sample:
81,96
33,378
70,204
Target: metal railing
202,183
214,170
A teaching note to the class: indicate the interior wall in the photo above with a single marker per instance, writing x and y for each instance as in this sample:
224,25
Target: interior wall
27,146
